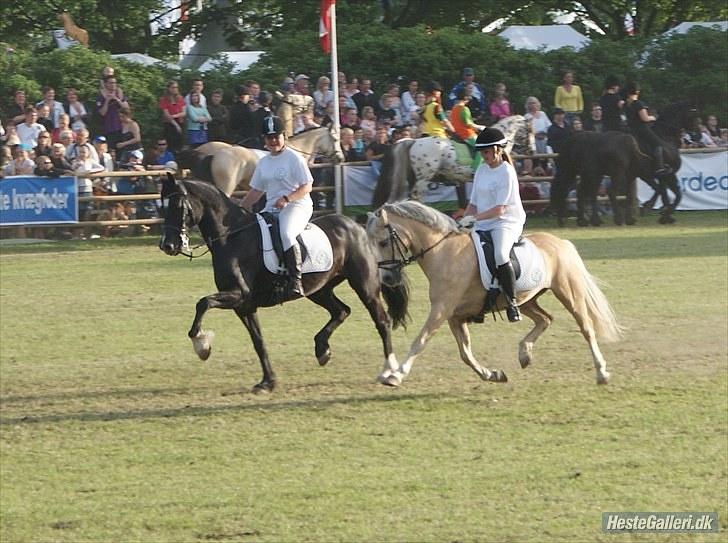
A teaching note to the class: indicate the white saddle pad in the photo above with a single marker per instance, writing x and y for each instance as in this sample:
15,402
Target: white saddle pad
533,267
320,256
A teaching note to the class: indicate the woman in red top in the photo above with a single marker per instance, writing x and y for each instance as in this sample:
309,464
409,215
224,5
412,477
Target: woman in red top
172,104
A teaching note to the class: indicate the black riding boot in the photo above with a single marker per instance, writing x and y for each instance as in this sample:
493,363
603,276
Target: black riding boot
293,262
660,167
507,280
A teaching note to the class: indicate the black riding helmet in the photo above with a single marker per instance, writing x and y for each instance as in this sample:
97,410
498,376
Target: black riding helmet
272,126
433,86
490,137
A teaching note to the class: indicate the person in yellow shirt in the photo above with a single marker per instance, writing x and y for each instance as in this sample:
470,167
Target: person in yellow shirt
569,98
434,121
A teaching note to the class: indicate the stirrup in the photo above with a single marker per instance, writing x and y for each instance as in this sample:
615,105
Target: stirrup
513,314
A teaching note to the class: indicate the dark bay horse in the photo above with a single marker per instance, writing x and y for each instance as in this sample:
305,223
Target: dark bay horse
406,232
230,167
592,155
244,284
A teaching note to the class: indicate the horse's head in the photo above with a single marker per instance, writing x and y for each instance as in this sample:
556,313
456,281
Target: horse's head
389,248
178,216
333,147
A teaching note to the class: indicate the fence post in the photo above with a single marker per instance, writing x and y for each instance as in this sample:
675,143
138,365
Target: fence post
338,189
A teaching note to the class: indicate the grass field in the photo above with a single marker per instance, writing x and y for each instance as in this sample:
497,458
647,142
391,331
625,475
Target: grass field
112,430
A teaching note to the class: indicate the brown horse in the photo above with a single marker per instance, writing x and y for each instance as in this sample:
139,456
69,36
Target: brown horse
230,167
448,259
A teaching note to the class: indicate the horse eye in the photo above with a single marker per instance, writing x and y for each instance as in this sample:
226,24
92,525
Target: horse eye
384,243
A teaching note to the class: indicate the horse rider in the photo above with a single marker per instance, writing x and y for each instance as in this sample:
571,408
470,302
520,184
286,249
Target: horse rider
639,121
434,121
612,104
283,176
495,206
463,124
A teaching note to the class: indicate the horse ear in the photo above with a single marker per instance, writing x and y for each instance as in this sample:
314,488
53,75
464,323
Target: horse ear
383,217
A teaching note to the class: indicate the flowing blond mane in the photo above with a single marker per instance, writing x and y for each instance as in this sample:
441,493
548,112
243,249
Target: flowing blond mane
423,214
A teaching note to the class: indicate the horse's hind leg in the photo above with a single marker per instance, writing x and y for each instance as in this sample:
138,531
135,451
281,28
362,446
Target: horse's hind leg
252,324
573,297
338,310
201,340
460,330
542,320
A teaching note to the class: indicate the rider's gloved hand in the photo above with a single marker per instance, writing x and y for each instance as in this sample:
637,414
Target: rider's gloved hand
466,223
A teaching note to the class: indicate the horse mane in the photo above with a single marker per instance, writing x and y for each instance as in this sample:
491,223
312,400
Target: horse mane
423,214
213,195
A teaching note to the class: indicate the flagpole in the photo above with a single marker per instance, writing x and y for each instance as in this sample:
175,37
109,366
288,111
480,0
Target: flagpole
338,184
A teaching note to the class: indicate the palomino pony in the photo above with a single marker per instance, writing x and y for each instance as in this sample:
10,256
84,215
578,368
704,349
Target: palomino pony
244,284
230,167
447,257
412,164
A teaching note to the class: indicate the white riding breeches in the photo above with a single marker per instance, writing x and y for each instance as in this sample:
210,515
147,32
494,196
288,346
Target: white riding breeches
293,219
503,241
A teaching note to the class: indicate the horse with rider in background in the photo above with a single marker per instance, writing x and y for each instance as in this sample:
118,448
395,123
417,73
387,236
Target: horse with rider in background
622,157
411,165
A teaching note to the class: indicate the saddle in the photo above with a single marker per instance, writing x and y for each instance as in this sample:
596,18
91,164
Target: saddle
528,265
316,252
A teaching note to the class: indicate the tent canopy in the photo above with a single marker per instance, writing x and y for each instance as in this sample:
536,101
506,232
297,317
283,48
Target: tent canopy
548,37
242,60
146,60
683,28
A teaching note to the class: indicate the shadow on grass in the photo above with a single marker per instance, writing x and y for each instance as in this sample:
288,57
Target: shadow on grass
188,411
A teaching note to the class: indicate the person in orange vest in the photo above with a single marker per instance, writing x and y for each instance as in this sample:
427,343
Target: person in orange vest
465,127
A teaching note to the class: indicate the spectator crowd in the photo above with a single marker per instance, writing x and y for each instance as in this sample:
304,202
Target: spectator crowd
51,137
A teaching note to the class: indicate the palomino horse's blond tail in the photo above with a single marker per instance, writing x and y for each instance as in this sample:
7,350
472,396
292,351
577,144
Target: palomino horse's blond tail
602,315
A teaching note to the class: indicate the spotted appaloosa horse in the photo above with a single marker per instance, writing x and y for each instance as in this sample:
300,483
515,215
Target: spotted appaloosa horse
412,164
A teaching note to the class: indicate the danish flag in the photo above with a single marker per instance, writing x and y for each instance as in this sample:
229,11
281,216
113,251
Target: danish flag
325,25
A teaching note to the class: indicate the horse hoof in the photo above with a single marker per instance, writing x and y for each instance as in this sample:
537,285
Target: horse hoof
498,376
524,361
202,343
392,381
264,387
324,358
603,378
666,219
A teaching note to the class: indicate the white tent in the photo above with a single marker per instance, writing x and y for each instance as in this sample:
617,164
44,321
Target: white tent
242,60
146,60
683,28
547,37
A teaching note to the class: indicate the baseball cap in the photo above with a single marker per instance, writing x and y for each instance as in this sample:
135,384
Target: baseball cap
301,76
100,139
468,71
137,154
26,147
558,110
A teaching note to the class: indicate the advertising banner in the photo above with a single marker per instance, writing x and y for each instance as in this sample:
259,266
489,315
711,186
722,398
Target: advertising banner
703,180
38,200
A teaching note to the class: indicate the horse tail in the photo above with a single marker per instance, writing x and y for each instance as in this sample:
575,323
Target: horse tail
598,307
384,182
396,170
397,300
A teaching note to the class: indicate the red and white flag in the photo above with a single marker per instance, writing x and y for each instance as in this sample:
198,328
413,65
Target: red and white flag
325,25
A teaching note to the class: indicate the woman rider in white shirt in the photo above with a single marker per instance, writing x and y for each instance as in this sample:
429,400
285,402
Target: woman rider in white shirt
495,206
283,176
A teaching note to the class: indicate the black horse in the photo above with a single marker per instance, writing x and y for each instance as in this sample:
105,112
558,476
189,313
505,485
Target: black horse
592,155
233,237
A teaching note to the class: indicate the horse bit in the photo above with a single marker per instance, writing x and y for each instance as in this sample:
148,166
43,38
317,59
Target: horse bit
398,246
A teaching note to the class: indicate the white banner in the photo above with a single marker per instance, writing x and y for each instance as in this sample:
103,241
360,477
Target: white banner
703,179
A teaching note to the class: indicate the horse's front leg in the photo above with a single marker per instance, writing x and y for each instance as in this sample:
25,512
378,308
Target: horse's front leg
252,324
459,329
202,340
438,314
630,203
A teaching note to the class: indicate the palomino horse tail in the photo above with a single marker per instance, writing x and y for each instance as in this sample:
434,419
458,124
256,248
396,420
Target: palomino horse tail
397,300
600,311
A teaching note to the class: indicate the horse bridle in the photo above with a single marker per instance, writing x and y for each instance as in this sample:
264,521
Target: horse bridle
183,231
399,247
